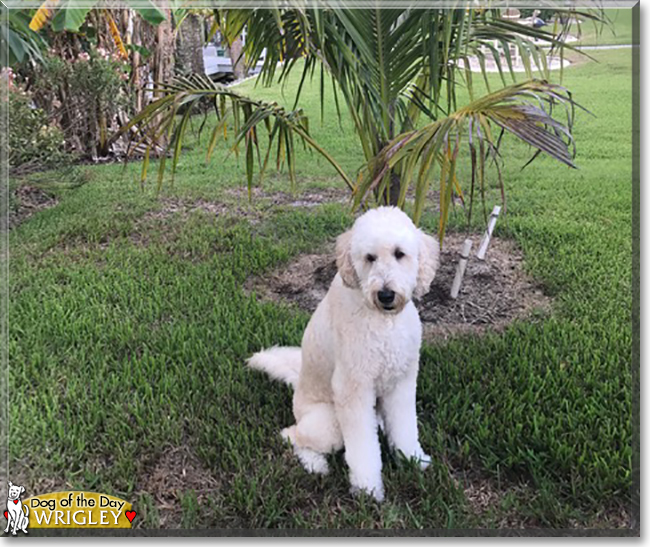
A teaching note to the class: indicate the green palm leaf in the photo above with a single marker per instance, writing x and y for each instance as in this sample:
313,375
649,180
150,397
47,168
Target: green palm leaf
247,115
523,110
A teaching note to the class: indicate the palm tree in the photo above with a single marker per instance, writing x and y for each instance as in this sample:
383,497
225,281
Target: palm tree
391,67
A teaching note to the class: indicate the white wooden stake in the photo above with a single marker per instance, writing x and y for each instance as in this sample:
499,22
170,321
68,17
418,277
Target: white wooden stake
488,233
460,270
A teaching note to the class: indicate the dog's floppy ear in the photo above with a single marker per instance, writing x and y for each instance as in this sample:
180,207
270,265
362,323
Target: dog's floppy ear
22,489
10,484
427,264
344,261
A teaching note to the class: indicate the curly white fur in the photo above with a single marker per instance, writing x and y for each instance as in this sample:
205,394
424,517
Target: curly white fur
358,362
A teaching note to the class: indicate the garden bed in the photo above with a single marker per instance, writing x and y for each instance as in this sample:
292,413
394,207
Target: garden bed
494,293
27,201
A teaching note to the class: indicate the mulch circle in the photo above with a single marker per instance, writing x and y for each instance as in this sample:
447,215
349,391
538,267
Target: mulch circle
494,292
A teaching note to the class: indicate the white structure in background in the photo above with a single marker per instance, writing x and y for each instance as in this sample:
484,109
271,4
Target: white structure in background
512,15
216,59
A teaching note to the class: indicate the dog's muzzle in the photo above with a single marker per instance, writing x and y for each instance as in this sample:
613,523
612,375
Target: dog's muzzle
386,298
389,301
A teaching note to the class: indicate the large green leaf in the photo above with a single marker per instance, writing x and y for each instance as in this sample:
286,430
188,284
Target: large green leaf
70,15
17,41
148,11
16,46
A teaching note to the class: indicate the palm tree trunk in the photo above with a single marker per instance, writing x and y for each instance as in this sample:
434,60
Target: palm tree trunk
395,188
163,68
164,56
190,45
237,59
395,180
198,66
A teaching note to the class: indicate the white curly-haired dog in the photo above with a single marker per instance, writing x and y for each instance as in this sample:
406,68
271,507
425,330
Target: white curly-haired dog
358,363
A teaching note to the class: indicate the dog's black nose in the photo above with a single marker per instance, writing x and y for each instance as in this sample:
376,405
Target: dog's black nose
386,297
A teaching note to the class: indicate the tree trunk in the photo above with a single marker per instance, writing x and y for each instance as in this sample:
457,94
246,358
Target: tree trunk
164,56
189,44
163,66
198,66
395,189
237,59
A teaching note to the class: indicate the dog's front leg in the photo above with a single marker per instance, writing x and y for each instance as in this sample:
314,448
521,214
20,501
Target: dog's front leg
24,524
8,523
400,419
355,411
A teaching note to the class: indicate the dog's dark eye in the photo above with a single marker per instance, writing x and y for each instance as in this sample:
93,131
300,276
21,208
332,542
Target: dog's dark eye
398,254
371,258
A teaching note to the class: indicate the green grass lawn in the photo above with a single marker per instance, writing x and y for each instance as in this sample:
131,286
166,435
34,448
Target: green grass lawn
129,327
618,32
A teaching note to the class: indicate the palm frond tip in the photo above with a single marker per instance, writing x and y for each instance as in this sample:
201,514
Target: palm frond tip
158,124
524,110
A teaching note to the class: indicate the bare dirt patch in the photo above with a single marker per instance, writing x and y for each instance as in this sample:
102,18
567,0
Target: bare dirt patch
143,234
29,200
177,471
175,206
494,293
311,197
485,499
305,199
500,503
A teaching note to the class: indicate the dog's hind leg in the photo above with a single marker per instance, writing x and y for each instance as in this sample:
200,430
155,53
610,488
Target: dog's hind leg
312,461
317,433
318,429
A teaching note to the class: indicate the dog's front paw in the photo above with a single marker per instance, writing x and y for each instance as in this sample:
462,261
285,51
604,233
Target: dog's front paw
416,455
375,490
424,460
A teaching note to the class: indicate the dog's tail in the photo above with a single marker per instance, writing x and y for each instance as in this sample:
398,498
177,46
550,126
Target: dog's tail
280,363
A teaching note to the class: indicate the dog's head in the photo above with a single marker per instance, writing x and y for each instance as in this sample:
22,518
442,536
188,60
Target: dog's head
15,491
386,257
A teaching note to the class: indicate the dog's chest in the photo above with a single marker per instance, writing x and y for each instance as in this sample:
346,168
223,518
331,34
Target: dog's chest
391,365
392,354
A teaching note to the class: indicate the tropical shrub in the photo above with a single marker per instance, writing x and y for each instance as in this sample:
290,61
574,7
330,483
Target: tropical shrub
84,95
33,140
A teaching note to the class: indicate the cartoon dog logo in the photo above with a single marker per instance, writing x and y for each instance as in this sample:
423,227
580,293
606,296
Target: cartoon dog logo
15,513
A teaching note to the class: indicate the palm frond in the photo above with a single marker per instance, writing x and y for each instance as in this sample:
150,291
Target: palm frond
524,110
159,125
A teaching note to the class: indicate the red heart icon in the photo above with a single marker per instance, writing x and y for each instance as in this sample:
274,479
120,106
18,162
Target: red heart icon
6,514
16,502
130,515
